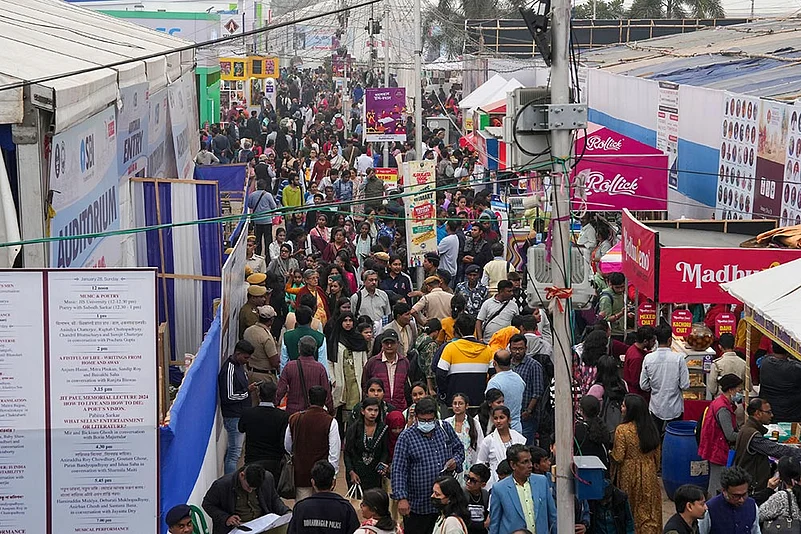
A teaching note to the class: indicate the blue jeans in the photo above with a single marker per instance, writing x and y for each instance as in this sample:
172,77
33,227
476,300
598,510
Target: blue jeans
530,430
235,441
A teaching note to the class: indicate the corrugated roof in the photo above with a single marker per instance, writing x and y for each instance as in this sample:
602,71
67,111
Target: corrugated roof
759,58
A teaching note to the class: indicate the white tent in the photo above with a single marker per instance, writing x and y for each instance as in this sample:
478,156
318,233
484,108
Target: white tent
488,89
775,294
494,100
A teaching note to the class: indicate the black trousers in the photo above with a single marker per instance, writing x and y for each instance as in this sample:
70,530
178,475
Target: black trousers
419,523
266,231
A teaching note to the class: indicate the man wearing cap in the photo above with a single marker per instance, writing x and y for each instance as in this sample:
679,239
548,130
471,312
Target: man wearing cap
257,279
179,520
248,316
262,205
264,361
256,263
234,389
391,368
434,304
370,300
474,292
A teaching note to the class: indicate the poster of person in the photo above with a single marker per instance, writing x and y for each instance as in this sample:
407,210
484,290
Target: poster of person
791,193
239,69
383,114
771,155
737,160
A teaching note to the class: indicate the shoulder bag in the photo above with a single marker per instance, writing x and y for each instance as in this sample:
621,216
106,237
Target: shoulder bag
286,480
783,524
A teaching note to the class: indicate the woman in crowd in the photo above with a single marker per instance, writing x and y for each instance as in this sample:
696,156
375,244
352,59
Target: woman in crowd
585,363
343,263
275,246
458,305
785,503
375,511
284,265
493,398
310,287
449,499
336,294
366,448
374,387
468,429
418,391
610,389
364,325
426,346
347,354
636,456
493,447
339,243
592,437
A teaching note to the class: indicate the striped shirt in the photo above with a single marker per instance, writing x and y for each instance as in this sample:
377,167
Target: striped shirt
464,365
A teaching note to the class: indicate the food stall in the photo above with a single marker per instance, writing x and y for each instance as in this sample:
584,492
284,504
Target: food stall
685,262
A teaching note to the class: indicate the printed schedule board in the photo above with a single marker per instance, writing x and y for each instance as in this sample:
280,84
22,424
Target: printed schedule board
78,401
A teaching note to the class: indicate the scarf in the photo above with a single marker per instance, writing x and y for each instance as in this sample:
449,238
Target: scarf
351,339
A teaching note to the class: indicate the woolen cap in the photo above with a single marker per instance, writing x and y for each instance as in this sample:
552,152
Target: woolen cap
266,312
729,381
176,514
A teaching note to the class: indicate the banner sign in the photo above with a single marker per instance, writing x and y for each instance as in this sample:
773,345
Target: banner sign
263,67
388,175
233,294
383,114
233,68
640,255
791,197
85,411
738,157
186,143
690,274
771,154
682,322
158,156
639,185
85,181
646,314
725,323
667,128
421,210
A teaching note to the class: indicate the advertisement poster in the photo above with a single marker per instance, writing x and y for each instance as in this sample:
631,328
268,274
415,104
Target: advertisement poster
738,157
771,150
639,185
133,113
233,294
83,176
690,274
646,314
233,68
667,128
388,175
383,114
682,323
102,401
791,195
181,95
501,211
725,323
23,456
640,250
157,132
421,210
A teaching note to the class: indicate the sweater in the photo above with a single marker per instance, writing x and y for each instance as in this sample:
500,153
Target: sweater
723,518
309,430
323,513
463,366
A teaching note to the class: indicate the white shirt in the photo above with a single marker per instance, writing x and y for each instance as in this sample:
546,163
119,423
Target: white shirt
665,375
363,162
334,444
448,250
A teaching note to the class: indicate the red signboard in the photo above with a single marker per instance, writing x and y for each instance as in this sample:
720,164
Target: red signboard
682,322
695,274
640,256
646,314
724,324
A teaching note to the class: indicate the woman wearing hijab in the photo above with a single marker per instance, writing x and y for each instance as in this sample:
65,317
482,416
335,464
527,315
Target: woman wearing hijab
347,354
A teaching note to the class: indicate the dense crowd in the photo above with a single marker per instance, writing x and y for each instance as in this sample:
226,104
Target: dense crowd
436,399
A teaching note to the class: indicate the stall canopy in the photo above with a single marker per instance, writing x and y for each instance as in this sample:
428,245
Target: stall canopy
42,38
619,172
774,296
687,261
485,92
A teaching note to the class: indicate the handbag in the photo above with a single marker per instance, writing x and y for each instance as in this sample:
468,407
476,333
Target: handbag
286,480
785,523
355,494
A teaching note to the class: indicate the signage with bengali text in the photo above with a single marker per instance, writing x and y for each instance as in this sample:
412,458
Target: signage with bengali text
383,114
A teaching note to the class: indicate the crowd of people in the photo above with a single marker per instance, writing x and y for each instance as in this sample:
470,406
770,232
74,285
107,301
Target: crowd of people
437,402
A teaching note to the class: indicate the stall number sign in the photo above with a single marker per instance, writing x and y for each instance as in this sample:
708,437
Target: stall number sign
682,323
646,314
724,324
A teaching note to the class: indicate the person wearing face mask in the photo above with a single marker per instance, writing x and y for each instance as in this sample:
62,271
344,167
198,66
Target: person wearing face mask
448,497
719,428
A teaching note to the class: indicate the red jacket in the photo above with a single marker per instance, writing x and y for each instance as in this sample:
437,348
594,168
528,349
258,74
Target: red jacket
713,445
632,369
375,368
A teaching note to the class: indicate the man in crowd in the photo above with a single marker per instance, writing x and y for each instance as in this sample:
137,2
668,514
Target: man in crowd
530,371
234,390
611,305
264,362
264,426
474,292
511,385
523,500
248,316
690,504
436,304
370,300
448,249
496,269
242,496
497,312
324,511
732,510
463,364
312,435
423,452
404,326
290,346
665,375
179,520
262,205
391,368
302,374
779,377
635,355
477,249
729,363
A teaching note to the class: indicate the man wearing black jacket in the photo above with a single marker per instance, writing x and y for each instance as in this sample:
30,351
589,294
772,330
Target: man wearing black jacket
324,512
264,427
242,496
234,390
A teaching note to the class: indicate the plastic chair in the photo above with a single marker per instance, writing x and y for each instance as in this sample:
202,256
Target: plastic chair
199,525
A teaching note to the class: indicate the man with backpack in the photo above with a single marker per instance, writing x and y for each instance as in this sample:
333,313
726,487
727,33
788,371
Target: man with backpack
611,305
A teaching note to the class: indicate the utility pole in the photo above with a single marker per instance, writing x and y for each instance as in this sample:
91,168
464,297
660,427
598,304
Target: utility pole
752,9
561,150
385,159
372,40
418,67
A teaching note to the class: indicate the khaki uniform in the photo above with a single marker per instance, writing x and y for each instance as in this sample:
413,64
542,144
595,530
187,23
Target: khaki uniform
259,366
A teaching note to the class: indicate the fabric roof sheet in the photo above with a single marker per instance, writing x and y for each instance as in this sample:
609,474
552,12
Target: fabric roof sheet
486,90
41,38
774,293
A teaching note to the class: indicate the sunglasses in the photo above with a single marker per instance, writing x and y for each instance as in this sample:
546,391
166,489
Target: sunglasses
473,480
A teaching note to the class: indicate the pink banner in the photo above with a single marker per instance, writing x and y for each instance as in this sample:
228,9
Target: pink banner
682,322
694,274
725,323
640,250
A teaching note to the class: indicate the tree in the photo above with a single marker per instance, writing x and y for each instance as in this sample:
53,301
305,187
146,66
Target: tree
676,9
604,10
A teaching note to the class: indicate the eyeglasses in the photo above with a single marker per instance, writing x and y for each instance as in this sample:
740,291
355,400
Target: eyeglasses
767,411
473,480
737,496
